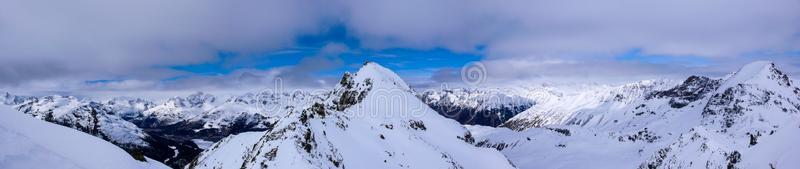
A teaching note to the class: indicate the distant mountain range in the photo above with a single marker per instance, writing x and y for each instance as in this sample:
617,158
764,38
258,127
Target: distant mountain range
488,107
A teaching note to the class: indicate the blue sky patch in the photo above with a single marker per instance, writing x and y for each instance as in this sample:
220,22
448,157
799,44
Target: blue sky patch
637,54
406,62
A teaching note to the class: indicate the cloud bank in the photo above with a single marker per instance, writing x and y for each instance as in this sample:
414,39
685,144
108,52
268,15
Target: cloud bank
49,44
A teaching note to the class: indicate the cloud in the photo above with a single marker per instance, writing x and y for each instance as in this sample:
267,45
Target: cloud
713,28
104,39
50,44
328,58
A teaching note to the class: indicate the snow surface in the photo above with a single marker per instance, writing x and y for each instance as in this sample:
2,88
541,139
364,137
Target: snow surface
227,153
30,143
202,144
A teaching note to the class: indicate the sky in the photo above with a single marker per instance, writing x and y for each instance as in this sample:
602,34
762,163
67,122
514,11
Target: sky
101,46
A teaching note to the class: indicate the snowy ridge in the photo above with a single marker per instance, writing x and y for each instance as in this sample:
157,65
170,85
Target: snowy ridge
213,113
371,120
30,143
586,106
90,117
489,107
761,73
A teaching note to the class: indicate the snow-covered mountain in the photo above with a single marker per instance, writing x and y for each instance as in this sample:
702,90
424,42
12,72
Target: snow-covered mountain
174,131
370,120
748,119
251,110
584,105
488,107
202,116
177,109
90,117
29,143
105,121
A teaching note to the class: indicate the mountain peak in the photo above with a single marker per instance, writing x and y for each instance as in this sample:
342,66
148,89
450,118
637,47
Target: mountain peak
353,88
380,76
758,72
372,108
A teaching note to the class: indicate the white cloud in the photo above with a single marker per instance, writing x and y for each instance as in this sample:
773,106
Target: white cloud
67,42
103,39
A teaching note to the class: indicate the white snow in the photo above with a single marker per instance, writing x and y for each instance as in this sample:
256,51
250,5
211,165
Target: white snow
779,150
381,76
227,153
749,73
202,144
30,143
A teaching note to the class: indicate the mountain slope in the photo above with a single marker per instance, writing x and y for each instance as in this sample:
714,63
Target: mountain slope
370,120
31,143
